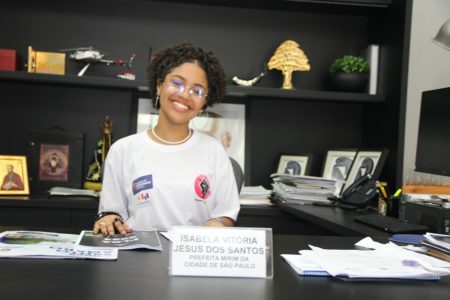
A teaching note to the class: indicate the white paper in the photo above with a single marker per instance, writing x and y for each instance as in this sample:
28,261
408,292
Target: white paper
385,261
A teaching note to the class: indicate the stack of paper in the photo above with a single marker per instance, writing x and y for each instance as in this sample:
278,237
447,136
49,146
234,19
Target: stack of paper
384,261
255,195
304,266
437,245
63,191
302,189
38,244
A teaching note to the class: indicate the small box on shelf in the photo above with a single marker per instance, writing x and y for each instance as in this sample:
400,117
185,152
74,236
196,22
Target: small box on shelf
46,62
10,60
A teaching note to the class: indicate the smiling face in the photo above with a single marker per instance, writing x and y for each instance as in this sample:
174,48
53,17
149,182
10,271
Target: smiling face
178,105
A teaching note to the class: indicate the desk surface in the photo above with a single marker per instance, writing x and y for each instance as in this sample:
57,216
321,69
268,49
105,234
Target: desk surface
335,219
144,275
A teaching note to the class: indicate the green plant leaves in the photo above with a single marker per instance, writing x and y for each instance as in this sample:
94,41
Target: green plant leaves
350,64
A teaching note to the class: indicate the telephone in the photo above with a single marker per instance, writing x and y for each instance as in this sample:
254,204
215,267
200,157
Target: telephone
361,192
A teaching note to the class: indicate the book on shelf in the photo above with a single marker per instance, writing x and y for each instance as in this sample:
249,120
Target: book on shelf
133,240
372,55
48,245
68,192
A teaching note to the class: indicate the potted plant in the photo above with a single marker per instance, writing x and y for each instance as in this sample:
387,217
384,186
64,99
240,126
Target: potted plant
349,73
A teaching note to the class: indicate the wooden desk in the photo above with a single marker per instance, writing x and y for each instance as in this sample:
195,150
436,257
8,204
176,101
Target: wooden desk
144,275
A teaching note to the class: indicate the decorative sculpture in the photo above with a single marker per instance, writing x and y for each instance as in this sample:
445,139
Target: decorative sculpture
289,58
93,180
89,56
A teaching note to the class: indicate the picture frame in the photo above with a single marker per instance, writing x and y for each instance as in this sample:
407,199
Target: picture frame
55,159
14,175
294,164
367,161
338,163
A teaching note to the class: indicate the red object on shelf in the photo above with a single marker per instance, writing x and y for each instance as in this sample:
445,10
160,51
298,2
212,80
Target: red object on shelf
9,60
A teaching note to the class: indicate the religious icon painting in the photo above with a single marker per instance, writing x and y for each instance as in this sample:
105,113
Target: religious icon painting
54,162
13,175
55,159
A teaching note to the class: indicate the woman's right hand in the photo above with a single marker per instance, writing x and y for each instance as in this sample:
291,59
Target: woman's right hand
110,225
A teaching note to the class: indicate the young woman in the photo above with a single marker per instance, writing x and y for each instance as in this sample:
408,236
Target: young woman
170,174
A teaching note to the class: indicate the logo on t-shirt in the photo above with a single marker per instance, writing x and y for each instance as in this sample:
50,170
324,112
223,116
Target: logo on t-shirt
142,183
202,187
143,196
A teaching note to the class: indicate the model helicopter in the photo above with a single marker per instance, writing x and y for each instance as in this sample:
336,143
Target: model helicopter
89,55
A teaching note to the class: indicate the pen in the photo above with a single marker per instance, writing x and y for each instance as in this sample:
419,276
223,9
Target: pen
382,190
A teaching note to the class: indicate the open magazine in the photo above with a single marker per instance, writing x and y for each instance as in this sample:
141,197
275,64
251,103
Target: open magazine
39,244
134,240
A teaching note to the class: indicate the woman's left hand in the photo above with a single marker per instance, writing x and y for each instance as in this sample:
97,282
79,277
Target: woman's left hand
219,222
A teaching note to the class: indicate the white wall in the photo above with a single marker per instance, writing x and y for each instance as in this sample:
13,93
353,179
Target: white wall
429,68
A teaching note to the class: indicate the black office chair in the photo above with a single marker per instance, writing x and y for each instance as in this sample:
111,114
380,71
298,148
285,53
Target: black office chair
238,174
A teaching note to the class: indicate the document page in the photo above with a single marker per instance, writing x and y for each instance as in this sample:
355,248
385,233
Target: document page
378,263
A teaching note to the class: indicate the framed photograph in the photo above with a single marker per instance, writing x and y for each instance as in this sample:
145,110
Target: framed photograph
294,164
366,162
338,163
55,159
13,175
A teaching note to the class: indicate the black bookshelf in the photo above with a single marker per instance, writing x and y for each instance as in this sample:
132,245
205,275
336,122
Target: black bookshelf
243,34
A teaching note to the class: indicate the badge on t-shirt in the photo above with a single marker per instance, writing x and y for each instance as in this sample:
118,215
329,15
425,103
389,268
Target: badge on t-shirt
142,183
202,187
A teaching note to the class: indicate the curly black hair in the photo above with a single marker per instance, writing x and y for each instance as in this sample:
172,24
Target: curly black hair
165,60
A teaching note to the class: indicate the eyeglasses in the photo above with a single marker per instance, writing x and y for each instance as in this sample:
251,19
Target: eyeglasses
177,87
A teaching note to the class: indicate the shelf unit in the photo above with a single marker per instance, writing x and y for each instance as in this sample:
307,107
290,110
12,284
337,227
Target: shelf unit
309,119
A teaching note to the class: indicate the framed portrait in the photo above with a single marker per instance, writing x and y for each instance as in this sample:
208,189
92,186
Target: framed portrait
294,164
366,162
338,163
55,159
14,175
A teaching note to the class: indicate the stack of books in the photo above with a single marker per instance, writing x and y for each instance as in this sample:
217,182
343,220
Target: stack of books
302,189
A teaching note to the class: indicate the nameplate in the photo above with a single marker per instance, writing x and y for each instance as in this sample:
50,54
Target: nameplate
221,252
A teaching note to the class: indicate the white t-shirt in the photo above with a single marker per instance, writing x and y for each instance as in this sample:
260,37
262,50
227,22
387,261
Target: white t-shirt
155,186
